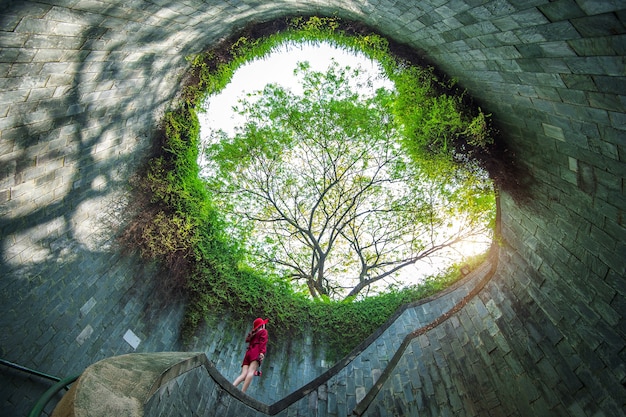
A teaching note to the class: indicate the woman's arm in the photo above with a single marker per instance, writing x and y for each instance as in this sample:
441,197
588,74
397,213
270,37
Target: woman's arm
262,340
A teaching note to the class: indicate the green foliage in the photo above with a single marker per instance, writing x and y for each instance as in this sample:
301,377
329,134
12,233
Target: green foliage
180,226
335,216
434,119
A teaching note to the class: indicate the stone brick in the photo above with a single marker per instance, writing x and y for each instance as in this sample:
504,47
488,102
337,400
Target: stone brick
578,82
592,7
610,85
561,10
605,101
598,25
593,46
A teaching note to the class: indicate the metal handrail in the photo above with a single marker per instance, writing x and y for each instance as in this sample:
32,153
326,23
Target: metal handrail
50,393
47,396
28,370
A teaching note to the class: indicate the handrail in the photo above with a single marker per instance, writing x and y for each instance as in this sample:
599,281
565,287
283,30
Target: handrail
362,406
28,370
279,406
61,383
51,392
300,393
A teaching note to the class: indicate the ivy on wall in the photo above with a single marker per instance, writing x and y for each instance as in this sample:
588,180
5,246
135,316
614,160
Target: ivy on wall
176,224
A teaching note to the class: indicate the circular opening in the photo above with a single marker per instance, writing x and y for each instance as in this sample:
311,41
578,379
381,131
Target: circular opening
181,226
273,141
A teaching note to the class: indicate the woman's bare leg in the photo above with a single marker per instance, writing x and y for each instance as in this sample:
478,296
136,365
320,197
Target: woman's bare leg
242,376
248,378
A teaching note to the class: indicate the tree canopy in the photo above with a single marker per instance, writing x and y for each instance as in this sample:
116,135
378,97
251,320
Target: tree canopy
322,192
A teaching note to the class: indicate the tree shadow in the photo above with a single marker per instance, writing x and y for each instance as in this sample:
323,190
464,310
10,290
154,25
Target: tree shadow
71,157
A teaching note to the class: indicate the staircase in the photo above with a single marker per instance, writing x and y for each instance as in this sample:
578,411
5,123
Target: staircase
382,376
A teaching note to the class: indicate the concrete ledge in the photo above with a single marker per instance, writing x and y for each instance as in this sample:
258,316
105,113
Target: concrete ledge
122,384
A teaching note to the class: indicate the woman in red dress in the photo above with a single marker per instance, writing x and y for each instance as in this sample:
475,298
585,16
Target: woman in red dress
257,341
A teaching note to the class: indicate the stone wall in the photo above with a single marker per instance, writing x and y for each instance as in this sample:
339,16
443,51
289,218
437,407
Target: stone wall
82,87
179,383
505,354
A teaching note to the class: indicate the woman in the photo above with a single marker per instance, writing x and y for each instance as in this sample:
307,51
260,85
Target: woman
257,341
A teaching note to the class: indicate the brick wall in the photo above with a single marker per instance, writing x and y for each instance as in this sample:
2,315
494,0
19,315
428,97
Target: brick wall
83,85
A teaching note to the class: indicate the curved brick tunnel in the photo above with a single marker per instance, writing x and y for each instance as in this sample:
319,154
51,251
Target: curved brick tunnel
82,87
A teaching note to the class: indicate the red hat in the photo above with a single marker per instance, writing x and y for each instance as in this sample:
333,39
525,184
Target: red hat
259,322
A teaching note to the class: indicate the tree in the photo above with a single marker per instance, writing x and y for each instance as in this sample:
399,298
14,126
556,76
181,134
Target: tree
319,187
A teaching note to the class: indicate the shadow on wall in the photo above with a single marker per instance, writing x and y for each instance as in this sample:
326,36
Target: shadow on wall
84,87
74,132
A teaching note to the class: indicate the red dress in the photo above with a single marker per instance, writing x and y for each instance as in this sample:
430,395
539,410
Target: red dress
257,342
